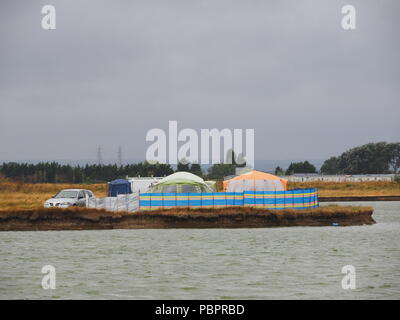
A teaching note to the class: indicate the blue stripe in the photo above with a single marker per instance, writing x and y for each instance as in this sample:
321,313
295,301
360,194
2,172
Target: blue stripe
295,199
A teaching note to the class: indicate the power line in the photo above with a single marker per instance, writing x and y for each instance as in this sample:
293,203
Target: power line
99,156
119,156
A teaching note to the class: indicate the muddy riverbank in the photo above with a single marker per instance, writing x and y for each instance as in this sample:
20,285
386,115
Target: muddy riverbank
231,217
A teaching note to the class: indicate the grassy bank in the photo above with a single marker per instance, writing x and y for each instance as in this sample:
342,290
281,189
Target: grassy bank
231,217
17,195
348,189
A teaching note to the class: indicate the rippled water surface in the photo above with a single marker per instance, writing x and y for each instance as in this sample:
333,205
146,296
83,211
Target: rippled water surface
272,263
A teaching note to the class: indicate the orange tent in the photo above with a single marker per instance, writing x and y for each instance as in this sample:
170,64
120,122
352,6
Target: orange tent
255,181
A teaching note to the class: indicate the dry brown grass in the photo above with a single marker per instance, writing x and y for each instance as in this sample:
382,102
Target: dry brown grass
8,186
343,189
18,195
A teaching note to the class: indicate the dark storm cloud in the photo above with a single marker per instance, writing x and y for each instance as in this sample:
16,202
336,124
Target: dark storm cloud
112,70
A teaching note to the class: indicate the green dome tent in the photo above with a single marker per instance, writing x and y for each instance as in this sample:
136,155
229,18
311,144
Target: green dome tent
181,182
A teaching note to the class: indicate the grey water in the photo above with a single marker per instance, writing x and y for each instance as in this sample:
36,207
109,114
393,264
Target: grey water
268,263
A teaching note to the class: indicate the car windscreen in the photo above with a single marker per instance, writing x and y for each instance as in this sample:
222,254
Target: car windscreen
66,194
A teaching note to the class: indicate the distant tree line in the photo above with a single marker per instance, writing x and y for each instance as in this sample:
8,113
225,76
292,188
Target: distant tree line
220,170
371,158
217,171
296,167
54,172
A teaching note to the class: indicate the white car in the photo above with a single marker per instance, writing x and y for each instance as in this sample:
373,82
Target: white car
68,198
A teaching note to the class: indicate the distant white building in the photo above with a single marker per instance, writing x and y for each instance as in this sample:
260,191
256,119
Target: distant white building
142,184
297,177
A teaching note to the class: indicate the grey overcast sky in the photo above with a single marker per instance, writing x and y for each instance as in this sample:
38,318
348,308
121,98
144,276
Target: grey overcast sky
112,70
